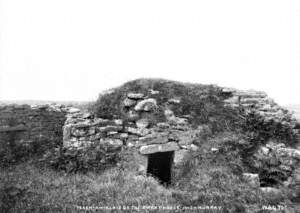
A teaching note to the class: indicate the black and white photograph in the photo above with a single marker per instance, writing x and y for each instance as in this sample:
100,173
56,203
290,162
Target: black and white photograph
150,106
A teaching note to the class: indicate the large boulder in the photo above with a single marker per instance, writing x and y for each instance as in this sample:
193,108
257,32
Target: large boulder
146,105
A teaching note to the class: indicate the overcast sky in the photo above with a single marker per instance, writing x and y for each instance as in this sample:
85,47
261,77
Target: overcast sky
72,50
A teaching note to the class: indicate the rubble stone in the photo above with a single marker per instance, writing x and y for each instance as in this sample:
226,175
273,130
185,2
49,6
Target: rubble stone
146,105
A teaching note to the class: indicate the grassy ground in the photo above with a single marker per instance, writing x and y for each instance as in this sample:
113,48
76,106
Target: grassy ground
205,179
26,188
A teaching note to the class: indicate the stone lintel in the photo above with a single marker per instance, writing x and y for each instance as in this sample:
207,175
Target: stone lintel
153,148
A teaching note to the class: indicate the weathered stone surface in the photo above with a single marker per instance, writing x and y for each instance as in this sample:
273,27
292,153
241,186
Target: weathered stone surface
250,94
174,101
264,150
16,128
153,92
172,119
87,115
149,149
154,139
137,131
95,137
132,116
78,132
66,133
129,102
123,136
142,123
101,122
112,144
84,124
214,150
179,156
146,105
110,128
233,100
118,122
163,125
73,110
271,192
276,156
296,176
41,124
226,90
187,137
135,96
193,147
112,133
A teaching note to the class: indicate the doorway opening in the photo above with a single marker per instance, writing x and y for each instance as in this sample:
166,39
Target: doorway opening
160,165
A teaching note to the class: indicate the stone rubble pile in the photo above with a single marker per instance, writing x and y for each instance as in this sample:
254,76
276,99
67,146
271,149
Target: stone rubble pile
279,162
279,158
260,103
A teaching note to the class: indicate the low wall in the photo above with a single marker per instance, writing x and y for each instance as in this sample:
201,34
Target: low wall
259,103
137,132
141,128
24,125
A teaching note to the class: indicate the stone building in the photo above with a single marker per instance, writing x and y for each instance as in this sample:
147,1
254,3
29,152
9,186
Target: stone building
148,125
163,145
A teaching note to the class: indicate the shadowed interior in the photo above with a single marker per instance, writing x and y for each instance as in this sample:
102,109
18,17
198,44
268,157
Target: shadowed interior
159,166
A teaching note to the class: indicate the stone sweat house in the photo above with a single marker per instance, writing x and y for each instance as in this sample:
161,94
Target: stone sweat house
159,147
162,146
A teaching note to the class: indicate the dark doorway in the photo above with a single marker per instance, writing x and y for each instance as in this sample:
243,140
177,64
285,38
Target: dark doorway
159,166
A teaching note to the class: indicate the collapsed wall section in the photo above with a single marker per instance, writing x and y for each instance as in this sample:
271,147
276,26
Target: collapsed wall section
267,109
26,126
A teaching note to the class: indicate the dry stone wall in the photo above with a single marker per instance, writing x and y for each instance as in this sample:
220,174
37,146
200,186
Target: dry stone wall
144,127
276,163
23,125
136,130
136,127
259,103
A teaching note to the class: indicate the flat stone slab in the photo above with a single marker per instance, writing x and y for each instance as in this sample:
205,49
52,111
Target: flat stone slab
153,148
135,96
17,128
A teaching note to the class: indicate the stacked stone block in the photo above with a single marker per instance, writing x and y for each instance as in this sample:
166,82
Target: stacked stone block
26,124
260,103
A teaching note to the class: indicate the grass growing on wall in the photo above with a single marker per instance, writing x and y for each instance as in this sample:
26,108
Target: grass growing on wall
202,104
207,178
